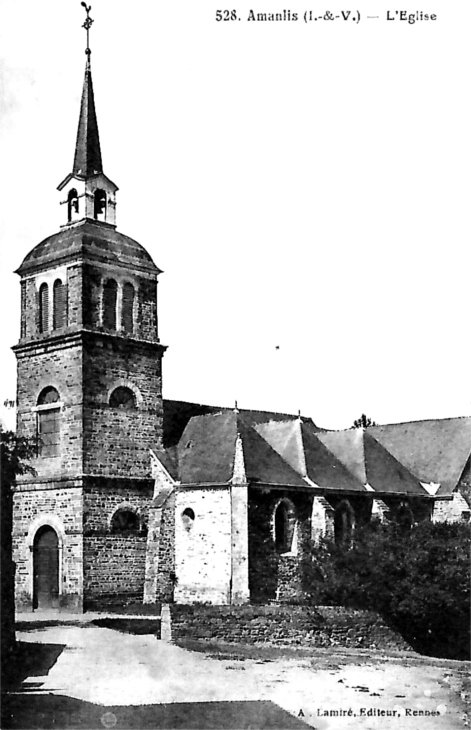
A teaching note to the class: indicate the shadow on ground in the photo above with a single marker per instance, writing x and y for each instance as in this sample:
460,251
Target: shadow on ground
29,660
138,626
56,711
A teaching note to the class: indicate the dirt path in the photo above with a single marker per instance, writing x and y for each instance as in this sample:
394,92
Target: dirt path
109,668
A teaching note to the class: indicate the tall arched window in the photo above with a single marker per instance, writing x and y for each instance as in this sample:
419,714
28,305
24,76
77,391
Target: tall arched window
72,204
405,516
59,318
48,423
99,205
43,308
284,527
122,397
344,523
128,307
110,294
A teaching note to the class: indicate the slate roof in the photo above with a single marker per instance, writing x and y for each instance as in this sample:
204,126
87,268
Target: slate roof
206,453
370,462
291,451
87,159
92,240
300,446
178,413
435,451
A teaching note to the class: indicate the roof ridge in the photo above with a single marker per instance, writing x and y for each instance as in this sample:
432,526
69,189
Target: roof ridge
423,420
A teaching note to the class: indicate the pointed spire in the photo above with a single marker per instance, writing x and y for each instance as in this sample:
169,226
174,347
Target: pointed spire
87,160
89,193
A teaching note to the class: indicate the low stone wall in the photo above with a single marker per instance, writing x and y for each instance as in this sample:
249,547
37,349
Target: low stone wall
324,626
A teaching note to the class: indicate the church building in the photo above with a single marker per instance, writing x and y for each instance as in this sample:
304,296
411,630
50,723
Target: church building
137,498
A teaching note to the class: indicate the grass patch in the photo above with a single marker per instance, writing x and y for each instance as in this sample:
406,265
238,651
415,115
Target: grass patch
225,651
133,609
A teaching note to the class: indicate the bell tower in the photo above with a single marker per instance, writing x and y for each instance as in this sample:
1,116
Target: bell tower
87,192
89,393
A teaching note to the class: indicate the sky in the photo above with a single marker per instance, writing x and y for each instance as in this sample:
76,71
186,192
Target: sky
303,186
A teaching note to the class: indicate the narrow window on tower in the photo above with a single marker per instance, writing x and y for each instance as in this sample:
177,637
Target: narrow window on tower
43,308
110,293
72,204
99,207
128,307
48,423
23,309
59,318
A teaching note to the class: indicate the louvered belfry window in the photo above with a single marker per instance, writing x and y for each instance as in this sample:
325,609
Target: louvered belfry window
60,304
110,292
128,306
43,308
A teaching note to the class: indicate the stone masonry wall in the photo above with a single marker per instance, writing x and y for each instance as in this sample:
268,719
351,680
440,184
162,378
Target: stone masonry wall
114,563
160,554
56,364
203,547
455,509
114,568
71,277
324,626
166,564
117,440
102,497
61,508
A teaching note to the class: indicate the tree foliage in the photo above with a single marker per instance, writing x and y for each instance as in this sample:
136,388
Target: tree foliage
15,452
363,422
417,579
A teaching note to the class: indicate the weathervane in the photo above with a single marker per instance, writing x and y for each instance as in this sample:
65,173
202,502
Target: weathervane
87,25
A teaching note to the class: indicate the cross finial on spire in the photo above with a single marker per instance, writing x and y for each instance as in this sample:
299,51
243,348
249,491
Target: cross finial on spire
87,25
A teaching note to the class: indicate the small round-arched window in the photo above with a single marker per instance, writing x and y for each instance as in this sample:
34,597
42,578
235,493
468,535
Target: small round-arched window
124,520
188,518
48,395
122,397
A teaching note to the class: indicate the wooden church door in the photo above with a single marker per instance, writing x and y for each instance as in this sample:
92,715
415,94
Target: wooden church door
46,569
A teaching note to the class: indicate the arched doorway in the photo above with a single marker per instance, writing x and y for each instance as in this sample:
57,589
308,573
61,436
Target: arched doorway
46,568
